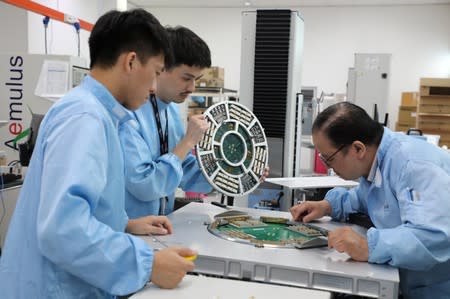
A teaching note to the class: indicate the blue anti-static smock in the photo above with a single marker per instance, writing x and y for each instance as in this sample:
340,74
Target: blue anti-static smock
66,238
408,199
150,176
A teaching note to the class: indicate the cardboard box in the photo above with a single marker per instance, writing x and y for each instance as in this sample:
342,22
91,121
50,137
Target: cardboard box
438,109
209,83
435,100
407,115
434,123
428,91
444,142
400,127
435,86
439,82
444,139
214,72
212,77
434,104
410,98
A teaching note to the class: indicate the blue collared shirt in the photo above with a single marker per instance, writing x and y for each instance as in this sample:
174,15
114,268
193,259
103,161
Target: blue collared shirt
66,238
407,199
150,175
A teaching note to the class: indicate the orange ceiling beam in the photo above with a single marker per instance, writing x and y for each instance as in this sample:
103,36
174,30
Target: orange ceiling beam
49,12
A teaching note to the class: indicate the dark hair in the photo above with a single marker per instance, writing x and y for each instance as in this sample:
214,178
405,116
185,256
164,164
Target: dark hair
188,48
135,30
344,122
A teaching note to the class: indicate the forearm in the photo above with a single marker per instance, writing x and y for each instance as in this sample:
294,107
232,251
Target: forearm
343,202
183,148
335,200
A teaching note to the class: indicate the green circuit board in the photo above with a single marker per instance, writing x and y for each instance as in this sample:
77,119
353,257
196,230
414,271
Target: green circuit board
259,233
271,232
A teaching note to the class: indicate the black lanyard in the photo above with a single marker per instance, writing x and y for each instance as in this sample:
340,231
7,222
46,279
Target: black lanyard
163,144
163,136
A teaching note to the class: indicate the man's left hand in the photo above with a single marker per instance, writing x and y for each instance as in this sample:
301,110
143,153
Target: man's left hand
154,225
346,240
265,174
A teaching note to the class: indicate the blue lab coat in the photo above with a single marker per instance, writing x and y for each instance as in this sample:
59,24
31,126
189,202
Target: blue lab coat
407,197
150,175
66,238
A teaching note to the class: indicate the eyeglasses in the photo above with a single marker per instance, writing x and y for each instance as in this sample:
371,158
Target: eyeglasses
328,160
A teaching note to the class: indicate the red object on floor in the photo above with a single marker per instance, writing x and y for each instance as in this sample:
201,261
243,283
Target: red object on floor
319,166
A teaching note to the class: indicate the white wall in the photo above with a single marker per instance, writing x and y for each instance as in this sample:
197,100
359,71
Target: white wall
9,26
219,27
23,31
418,37
61,37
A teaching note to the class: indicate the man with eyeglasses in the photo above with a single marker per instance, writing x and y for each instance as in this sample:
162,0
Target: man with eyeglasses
404,189
328,160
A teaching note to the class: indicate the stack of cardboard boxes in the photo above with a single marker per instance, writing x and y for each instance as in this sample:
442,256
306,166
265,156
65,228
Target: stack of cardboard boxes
407,113
210,84
433,114
212,77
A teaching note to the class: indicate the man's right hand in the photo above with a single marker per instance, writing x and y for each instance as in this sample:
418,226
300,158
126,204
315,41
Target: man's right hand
196,127
170,266
310,210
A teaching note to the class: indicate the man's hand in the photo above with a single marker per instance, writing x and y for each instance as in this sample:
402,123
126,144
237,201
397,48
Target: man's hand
155,225
310,210
196,127
265,174
170,266
347,240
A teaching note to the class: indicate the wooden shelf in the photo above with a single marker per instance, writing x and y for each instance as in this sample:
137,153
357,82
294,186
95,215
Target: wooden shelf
199,90
433,114
441,96
213,95
434,96
435,82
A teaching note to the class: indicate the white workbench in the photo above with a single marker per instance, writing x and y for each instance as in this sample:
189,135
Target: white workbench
317,268
202,287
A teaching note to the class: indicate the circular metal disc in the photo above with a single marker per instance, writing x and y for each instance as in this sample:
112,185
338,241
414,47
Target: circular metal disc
233,153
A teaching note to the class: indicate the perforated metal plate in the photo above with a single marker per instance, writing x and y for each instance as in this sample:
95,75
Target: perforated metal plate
233,152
